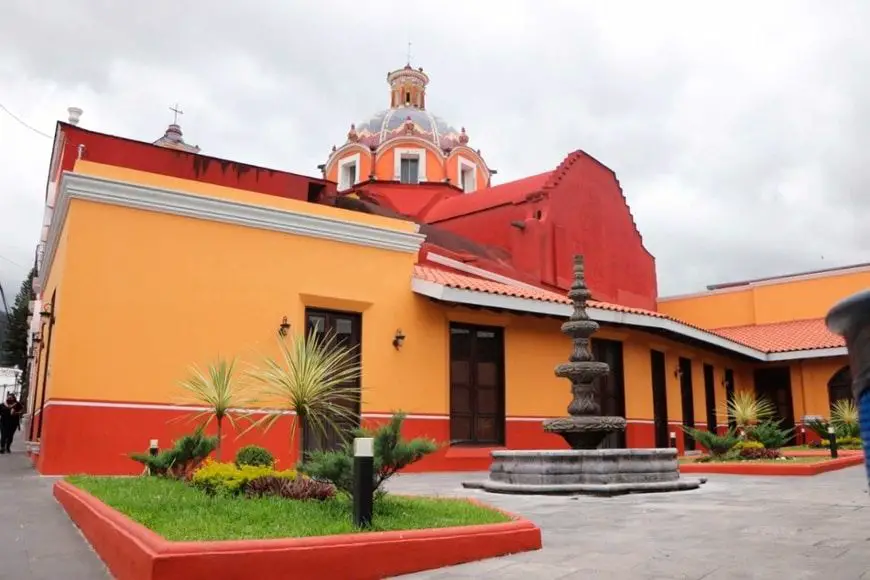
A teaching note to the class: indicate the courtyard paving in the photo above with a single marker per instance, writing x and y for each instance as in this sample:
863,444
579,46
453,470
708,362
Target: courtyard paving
732,528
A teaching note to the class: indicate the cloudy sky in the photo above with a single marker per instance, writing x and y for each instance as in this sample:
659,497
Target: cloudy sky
737,129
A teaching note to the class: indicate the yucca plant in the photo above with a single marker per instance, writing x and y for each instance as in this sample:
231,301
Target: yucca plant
844,418
746,410
315,378
221,392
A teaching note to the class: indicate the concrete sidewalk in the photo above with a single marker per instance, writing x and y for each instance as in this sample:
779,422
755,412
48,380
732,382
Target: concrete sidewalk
37,539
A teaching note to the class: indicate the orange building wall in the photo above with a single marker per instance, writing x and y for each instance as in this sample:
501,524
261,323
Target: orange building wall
766,303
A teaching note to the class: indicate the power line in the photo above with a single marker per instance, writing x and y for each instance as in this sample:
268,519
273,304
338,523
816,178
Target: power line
14,116
14,263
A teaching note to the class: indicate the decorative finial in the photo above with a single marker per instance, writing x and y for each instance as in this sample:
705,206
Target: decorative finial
75,115
463,137
409,55
352,135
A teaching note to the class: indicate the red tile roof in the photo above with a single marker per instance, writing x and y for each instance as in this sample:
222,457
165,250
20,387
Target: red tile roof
784,336
469,282
768,338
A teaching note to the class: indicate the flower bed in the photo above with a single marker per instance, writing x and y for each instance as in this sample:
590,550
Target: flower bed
156,528
787,465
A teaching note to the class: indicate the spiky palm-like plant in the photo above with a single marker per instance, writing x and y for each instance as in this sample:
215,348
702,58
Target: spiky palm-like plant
746,409
315,377
221,392
844,418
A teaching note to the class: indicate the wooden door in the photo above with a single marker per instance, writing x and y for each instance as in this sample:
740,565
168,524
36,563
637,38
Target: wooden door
710,398
477,415
347,328
774,384
729,396
611,388
659,382
687,396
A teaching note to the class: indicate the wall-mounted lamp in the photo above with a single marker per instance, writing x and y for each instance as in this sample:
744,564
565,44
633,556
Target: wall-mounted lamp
284,327
725,383
678,373
398,339
36,339
46,314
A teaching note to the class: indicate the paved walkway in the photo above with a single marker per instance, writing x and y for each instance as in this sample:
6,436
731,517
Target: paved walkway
732,528
37,539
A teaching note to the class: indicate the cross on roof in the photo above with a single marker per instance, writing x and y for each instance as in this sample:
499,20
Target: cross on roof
409,53
177,112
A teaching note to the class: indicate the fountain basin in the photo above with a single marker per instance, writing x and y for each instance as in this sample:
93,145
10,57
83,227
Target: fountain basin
585,471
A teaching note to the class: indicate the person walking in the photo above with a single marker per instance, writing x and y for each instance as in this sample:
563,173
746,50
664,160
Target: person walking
10,421
850,318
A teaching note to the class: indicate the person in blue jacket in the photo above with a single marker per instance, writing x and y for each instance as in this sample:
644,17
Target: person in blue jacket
850,318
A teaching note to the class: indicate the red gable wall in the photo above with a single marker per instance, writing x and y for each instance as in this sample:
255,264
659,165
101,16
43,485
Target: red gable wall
543,220
142,156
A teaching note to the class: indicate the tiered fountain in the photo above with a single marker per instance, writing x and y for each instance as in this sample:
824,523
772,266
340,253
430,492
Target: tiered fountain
584,468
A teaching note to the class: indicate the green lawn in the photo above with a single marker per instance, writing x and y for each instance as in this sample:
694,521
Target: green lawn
177,511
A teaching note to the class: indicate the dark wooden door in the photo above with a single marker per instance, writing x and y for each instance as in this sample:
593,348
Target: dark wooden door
710,398
840,386
611,387
687,397
729,396
774,384
659,381
477,414
347,328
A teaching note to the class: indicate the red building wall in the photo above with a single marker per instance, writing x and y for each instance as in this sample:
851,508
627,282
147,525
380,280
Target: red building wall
578,208
142,156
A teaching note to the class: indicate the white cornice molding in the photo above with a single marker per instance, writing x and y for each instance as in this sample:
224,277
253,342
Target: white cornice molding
444,293
336,155
172,202
809,353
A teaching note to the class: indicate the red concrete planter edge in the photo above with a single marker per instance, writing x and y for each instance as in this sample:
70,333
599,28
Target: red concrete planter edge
133,552
783,468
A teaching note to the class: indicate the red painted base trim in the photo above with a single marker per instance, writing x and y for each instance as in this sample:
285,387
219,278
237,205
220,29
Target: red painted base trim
133,552
97,439
783,468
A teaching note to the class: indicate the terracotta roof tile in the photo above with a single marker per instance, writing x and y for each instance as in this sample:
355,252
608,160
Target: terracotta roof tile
469,282
780,337
784,336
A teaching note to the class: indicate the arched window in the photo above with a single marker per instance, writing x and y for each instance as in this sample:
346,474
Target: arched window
840,386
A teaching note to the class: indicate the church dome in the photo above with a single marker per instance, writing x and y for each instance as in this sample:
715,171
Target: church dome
410,121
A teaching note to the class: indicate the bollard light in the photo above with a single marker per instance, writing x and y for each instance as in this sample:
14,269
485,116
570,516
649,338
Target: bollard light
363,481
674,439
153,447
832,437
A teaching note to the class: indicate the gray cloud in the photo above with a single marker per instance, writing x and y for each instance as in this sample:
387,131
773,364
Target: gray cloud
737,130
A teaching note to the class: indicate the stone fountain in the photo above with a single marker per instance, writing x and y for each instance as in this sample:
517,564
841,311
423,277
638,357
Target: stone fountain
584,468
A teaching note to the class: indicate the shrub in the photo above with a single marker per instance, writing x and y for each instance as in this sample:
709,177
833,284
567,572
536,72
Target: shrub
392,453
762,453
185,455
845,443
300,488
844,418
769,434
256,456
718,445
748,445
745,409
229,479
